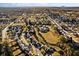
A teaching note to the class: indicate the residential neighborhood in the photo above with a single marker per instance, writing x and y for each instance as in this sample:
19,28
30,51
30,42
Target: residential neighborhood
39,31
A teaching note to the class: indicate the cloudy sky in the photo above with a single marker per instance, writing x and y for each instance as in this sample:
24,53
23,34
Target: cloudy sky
39,4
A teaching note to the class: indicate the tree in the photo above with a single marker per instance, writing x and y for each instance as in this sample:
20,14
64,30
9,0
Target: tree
63,39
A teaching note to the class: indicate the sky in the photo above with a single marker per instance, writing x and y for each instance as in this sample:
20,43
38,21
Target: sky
39,4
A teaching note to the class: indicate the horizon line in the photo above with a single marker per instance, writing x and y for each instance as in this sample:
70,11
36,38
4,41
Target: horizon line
39,4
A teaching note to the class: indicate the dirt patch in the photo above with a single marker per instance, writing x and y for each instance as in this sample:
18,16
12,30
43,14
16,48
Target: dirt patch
50,37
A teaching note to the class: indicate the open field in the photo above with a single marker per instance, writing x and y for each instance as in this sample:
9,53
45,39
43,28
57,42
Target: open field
50,37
